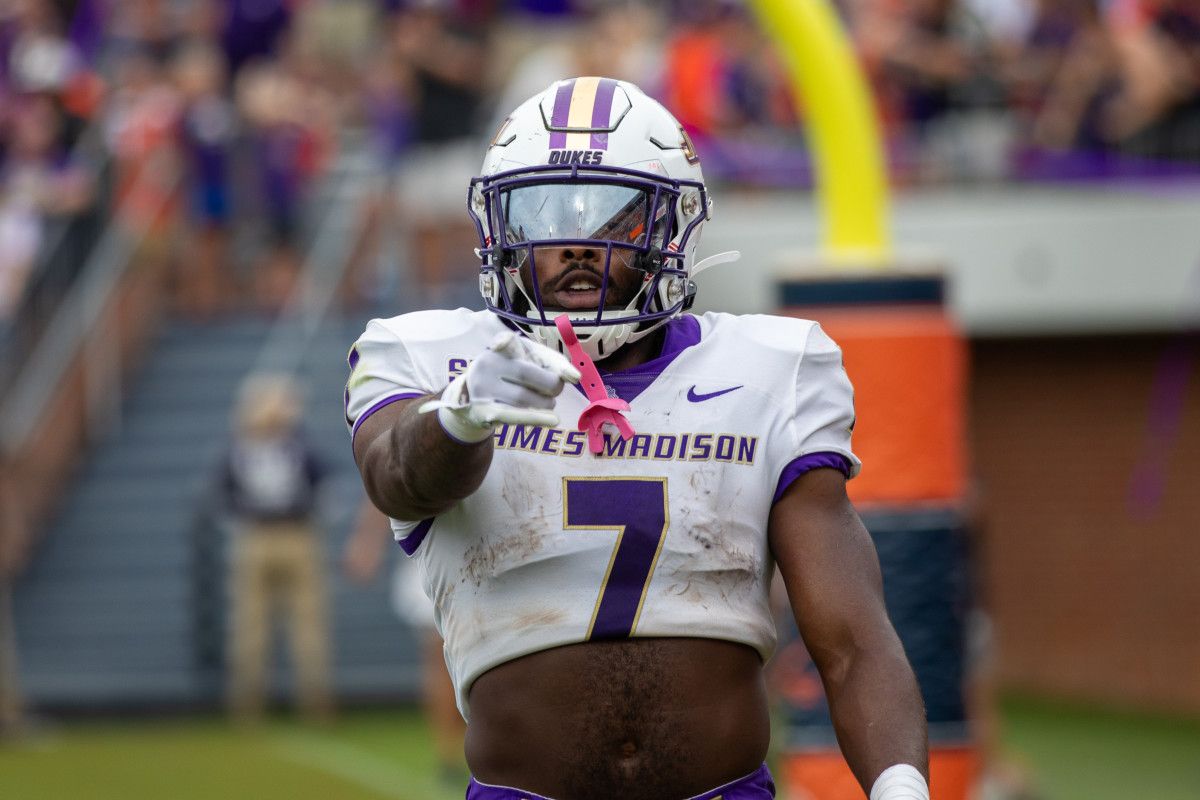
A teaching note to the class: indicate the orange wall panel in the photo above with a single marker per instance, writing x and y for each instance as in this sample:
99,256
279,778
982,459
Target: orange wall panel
909,370
823,775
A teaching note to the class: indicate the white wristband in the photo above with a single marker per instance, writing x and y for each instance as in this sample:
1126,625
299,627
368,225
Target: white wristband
900,782
460,428
454,414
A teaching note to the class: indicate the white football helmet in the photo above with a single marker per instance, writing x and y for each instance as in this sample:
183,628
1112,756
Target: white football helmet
602,184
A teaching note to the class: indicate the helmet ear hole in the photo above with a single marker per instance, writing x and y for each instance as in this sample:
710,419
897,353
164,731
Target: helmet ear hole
650,262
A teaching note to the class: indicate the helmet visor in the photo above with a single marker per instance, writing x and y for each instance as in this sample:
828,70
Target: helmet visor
629,216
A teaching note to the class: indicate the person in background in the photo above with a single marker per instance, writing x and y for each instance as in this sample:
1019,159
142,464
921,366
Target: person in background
140,125
364,555
1034,52
1129,82
695,69
208,128
270,480
1156,112
388,113
251,30
150,27
35,54
618,38
1069,114
929,62
290,120
37,59
36,182
724,81
445,55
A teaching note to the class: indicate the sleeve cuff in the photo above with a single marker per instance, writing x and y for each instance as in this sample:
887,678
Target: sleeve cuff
805,463
384,403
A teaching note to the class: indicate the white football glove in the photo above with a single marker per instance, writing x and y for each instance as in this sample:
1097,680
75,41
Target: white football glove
515,380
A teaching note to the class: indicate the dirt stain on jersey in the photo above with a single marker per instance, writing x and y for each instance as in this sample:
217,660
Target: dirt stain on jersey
701,481
714,568
504,550
689,591
520,495
484,560
538,619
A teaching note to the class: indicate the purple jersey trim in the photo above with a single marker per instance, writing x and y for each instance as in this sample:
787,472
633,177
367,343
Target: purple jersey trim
682,333
758,785
602,110
487,791
410,543
807,463
384,403
352,359
561,115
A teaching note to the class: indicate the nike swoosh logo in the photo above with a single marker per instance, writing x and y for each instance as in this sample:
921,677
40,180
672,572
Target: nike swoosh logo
700,398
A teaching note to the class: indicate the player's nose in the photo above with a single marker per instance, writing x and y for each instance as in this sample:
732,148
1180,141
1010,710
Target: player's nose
584,253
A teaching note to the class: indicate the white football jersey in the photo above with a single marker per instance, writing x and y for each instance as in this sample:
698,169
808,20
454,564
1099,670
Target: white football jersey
664,534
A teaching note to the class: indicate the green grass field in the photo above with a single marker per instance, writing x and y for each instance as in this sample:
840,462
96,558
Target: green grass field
362,757
1075,754
1082,754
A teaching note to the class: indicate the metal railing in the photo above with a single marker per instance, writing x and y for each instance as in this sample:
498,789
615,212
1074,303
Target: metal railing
323,270
70,331
60,261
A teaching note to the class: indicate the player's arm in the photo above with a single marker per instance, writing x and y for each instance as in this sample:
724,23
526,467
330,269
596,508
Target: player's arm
831,571
416,464
410,467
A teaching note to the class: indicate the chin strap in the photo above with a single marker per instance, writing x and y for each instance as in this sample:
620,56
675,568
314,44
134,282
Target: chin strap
728,257
601,408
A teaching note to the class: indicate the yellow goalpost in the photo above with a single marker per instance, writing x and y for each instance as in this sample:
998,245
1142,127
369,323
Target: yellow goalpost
843,133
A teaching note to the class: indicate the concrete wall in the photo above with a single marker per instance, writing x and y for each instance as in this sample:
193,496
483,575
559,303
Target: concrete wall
1023,260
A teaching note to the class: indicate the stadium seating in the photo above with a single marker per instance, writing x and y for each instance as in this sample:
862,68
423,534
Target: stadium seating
122,605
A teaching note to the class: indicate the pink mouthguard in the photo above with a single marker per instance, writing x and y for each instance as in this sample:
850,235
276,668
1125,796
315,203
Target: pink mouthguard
601,408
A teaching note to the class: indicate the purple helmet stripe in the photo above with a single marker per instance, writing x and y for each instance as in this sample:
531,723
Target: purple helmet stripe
561,115
601,112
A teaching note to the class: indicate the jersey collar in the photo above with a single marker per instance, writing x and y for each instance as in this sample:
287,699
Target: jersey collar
681,333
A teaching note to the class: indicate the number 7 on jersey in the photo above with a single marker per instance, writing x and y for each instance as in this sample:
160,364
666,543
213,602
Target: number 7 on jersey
636,508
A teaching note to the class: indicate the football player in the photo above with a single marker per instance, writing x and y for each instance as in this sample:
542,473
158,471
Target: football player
604,601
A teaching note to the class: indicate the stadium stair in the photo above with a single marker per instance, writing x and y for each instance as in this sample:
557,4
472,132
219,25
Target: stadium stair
122,605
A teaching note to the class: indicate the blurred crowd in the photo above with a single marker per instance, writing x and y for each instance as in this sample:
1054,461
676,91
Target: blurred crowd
1038,88
203,125
178,117
965,89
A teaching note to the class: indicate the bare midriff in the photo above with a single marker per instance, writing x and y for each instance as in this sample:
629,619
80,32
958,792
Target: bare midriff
658,719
